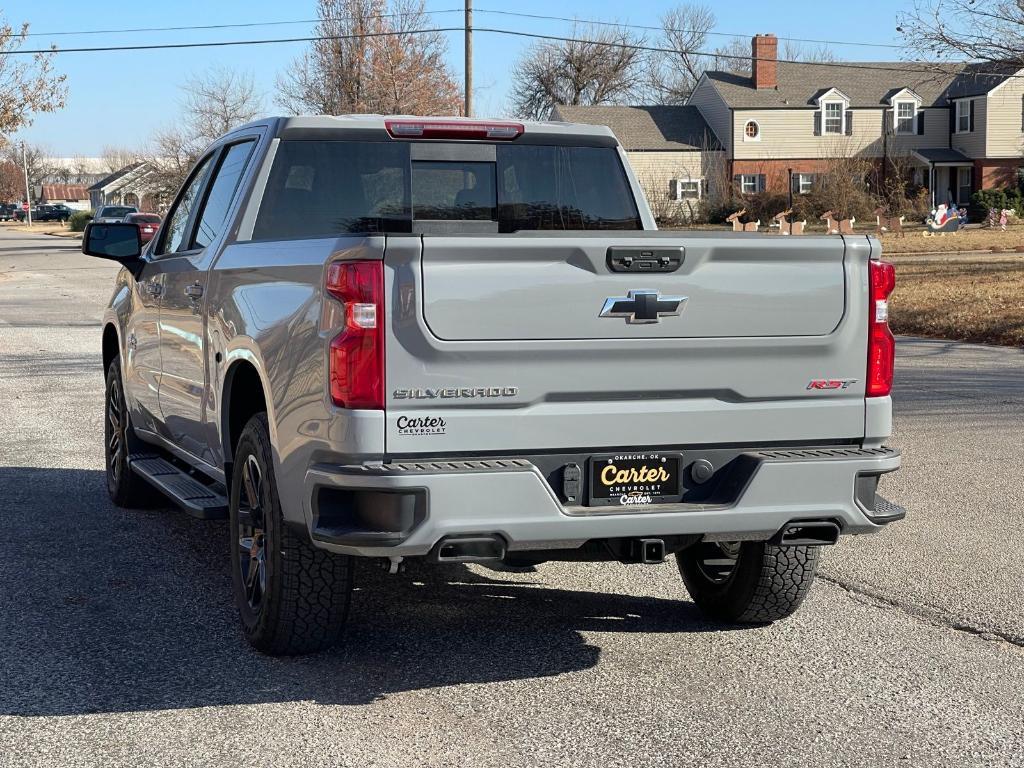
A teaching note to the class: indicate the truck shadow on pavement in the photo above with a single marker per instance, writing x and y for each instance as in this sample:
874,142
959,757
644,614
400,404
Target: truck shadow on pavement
109,610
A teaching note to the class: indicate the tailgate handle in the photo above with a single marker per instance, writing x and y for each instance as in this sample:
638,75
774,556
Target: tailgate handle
632,260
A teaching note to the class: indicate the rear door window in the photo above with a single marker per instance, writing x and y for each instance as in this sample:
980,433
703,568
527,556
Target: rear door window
221,193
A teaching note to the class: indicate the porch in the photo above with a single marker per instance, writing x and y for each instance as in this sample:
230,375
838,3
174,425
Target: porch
947,173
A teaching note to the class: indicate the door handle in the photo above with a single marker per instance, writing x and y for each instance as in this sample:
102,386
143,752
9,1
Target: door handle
194,290
153,287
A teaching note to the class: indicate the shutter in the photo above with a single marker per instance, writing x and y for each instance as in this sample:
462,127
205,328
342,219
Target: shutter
849,122
952,117
737,182
887,122
972,116
794,183
760,182
817,123
673,189
920,122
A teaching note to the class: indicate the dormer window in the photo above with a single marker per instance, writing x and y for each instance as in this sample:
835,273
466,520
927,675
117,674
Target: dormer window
833,111
833,117
906,117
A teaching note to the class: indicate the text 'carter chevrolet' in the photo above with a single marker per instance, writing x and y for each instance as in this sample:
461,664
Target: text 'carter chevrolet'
465,341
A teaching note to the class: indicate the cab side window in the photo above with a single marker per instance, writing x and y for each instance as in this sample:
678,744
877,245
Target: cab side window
174,229
221,193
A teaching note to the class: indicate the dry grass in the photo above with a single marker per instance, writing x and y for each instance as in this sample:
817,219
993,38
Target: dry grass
966,299
966,240
42,227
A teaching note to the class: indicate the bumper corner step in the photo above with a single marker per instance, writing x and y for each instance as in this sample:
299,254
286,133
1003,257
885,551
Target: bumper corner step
187,492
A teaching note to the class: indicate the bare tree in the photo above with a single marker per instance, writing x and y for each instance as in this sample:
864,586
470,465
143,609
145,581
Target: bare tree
983,30
12,183
41,167
673,76
794,51
115,158
377,58
213,104
595,66
27,86
733,56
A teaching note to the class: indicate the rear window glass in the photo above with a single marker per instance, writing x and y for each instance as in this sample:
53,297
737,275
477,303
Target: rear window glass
113,210
319,188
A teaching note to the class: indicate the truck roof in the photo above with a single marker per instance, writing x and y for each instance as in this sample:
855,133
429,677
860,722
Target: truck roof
309,126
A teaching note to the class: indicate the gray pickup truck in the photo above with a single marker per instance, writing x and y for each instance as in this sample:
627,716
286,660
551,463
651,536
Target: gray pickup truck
465,341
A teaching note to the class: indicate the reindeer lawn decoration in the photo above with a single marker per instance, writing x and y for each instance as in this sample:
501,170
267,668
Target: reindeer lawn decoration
886,223
787,227
833,227
739,226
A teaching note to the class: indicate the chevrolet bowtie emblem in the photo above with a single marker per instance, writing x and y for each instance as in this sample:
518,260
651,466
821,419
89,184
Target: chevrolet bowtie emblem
643,306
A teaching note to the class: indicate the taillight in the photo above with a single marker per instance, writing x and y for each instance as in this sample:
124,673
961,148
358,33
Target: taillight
881,344
357,353
453,129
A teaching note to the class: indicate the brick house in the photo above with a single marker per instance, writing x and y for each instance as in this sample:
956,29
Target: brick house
959,128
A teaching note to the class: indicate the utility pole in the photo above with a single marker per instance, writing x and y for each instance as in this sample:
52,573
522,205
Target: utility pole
469,58
28,192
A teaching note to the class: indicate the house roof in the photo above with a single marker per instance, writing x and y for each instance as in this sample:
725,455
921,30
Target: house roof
106,181
663,127
866,83
64,192
943,155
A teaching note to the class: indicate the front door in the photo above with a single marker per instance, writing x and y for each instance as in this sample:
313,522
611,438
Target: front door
140,368
183,380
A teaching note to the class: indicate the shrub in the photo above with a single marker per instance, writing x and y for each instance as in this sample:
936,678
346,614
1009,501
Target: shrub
78,220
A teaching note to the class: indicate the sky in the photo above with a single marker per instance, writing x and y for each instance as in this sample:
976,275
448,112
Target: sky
120,98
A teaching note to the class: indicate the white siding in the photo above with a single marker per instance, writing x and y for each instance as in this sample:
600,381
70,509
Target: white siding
655,171
972,143
789,133
714,110
1005,119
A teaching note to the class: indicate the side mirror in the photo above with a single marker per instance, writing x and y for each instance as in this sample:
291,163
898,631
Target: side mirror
120,242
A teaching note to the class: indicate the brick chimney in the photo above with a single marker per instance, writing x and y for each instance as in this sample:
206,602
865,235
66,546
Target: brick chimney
764,52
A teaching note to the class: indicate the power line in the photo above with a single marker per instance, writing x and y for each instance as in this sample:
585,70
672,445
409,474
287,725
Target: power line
684,31
238,25
915,67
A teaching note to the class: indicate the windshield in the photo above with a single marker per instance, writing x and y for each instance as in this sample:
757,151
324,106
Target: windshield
112,211
321,188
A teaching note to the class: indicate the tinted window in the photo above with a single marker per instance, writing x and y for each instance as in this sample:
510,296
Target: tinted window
453,191
563,188
222,192
321,188
174,231
145,218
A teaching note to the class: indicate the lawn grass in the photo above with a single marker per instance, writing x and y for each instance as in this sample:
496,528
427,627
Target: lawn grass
978,299
981,239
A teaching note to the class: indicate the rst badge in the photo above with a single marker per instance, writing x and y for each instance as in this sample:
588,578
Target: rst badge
830,383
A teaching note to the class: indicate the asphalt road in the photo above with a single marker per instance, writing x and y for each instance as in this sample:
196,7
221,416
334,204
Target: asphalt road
118,643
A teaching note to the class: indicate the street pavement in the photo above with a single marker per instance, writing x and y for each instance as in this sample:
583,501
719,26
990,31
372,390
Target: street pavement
118,643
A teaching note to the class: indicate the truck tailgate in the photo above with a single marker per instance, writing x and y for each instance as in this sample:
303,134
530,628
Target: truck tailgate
498,344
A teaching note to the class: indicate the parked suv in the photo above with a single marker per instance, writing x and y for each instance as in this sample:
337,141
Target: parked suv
109,214
464,341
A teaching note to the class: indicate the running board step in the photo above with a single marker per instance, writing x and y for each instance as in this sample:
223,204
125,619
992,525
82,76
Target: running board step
184,490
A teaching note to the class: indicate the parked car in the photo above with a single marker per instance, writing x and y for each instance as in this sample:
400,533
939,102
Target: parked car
9,211
58,212
465,341
112,214
148,223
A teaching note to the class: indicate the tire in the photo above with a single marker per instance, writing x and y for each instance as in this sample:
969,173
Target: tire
292,598
126,489
750,582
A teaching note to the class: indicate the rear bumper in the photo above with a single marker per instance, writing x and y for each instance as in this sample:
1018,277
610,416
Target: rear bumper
405,509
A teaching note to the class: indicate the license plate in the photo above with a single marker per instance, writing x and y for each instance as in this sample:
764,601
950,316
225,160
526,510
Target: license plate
634,479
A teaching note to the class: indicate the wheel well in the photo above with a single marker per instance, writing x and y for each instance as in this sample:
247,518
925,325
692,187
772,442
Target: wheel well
243,398
110,347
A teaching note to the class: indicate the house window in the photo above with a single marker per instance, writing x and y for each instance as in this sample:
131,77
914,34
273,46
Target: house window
804,183
906,111
688,189
963,185
963,116
833,117
751,131
748,184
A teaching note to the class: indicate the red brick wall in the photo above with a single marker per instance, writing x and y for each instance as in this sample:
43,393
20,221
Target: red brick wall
777,171
995,174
